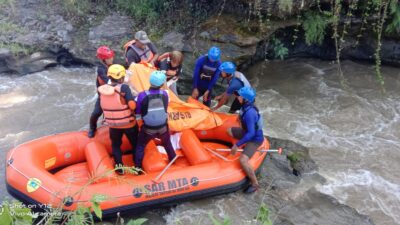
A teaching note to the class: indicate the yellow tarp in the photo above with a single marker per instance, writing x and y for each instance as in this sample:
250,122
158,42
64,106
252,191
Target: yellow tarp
181,115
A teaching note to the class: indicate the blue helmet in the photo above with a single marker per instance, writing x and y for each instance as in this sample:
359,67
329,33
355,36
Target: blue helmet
214,53
247,93
157,78
227,67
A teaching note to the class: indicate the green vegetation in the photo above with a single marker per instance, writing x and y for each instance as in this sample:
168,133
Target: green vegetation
280,51
7,3
293,157
18,214
7,27
285,5
263,215
149,10
314,25
16,48
226,221
394,12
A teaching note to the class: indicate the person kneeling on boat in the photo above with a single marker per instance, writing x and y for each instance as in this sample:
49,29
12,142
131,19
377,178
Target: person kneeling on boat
152,106
250,133
118,106
171,63
236,81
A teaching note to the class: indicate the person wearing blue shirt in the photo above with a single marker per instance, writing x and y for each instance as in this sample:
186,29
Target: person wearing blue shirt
236,80
249,134
206,74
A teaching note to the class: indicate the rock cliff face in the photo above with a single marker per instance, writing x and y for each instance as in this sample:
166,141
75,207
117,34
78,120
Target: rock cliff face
39,34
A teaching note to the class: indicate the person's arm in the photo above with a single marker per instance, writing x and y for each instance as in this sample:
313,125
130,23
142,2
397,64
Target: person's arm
164,66
132,57
250,121
139,103
222,99
128,97
196,72
214,79
166,97
102,74
178,71
154,50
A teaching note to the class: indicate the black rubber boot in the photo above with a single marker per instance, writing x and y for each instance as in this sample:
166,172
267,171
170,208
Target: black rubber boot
119,171
93,127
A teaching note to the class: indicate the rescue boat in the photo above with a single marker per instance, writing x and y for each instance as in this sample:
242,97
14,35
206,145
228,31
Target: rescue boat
69,169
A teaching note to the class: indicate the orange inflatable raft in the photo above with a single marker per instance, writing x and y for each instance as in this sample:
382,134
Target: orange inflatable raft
70,169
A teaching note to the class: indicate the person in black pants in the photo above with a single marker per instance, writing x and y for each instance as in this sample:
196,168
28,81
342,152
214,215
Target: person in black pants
106,57
118,106
152,106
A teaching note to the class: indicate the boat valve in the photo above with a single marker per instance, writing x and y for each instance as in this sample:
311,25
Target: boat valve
68,201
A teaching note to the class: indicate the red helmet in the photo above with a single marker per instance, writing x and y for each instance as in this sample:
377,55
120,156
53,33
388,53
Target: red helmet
104,52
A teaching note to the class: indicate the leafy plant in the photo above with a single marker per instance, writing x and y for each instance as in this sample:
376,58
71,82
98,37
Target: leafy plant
293,157
314,25
16,213
280,51
263,215
226,221
394,11
138,221
143,9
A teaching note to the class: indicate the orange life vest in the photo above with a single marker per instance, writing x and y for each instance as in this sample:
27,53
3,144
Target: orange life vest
116,111
145,55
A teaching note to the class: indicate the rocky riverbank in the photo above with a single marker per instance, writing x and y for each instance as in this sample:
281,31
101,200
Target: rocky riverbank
40,34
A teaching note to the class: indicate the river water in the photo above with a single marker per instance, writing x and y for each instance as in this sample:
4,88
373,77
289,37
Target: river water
353,132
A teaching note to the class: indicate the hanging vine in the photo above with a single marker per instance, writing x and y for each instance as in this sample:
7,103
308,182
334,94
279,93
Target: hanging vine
336,9
383,6
296,29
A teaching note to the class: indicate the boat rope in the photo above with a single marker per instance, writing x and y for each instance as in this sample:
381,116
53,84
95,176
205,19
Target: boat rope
28,178
140,191
54,194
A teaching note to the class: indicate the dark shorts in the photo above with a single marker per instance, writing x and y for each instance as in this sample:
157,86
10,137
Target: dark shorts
251,147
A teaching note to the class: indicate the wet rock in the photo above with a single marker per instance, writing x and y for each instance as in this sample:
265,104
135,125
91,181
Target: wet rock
313,207
353,48
29,64
4,53
294,199
113,28
172,41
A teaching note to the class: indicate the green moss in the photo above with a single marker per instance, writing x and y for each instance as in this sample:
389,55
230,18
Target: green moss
294,157
17,49
8,27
